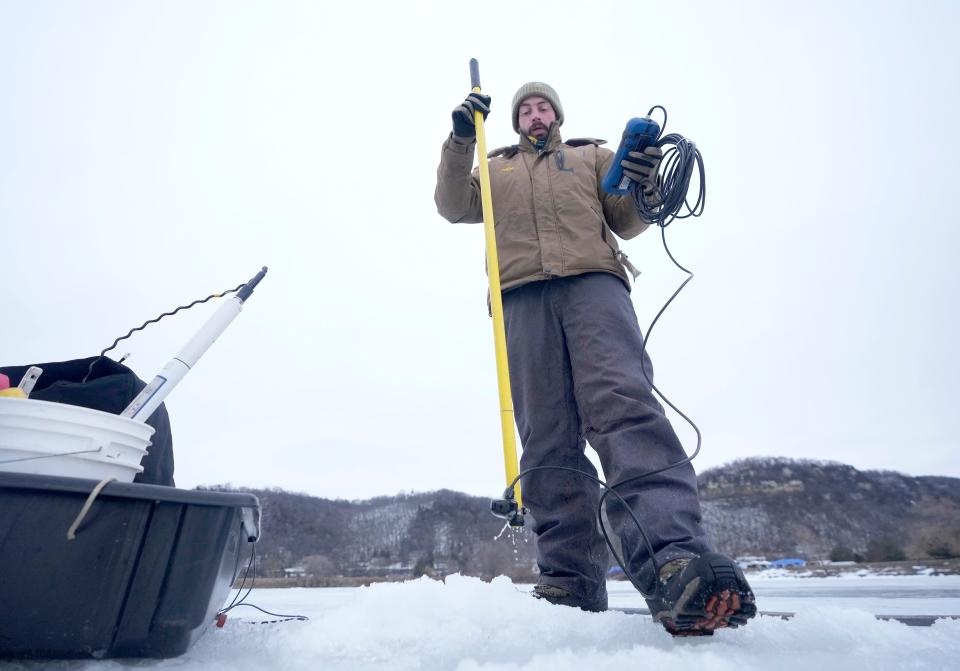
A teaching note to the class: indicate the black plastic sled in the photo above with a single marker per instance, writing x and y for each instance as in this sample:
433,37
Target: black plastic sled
144,576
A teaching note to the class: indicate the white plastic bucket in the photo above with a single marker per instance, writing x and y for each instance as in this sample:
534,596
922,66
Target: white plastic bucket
46,438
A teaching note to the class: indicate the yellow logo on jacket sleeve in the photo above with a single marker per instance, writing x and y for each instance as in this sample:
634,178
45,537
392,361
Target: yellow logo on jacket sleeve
509,168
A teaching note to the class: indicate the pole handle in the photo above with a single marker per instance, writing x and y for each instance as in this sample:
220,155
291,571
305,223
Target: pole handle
474,73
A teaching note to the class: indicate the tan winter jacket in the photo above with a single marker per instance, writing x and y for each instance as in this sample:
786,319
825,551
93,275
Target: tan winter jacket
551,217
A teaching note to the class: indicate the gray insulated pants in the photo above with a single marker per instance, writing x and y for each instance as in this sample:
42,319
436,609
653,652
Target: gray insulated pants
574,348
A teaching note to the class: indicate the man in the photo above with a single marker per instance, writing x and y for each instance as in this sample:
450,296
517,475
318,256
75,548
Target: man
574,350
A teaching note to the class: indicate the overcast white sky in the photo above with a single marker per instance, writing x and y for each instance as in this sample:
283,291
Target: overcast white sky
153,153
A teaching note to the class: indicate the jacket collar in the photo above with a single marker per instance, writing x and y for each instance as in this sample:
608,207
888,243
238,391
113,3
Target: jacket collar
553,140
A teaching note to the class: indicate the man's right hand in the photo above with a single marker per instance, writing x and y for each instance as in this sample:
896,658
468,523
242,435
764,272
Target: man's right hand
463,125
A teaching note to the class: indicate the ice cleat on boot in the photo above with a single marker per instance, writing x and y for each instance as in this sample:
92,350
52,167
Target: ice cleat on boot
564,597
699,595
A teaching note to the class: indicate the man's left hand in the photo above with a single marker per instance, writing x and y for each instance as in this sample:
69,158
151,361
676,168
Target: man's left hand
642,168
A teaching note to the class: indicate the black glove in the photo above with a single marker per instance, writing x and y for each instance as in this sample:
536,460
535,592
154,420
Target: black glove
643,168
463,115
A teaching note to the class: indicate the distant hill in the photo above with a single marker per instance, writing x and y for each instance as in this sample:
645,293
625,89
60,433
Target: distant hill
441,531
784,507
772,507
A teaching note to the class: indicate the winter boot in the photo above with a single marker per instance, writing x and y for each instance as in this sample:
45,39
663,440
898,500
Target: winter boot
563,597
698,595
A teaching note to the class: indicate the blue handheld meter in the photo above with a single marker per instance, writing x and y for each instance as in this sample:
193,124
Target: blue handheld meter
639,133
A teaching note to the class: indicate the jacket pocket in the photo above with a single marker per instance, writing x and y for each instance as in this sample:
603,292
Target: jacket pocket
518,247
605,233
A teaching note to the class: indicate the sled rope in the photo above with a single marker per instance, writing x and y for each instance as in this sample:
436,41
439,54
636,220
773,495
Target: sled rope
72,531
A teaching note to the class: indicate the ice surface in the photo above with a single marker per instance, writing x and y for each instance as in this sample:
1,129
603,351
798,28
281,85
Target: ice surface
464,624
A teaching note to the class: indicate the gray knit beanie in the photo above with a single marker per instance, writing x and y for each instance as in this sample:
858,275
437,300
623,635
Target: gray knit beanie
535,89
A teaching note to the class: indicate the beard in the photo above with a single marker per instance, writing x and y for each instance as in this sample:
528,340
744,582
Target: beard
538,130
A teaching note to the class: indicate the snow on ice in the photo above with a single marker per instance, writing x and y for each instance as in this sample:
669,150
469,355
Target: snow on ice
464,624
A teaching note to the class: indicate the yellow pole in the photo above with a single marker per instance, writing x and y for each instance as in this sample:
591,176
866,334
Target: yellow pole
496,303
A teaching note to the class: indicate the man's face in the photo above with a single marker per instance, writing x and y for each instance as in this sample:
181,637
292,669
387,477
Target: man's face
535,115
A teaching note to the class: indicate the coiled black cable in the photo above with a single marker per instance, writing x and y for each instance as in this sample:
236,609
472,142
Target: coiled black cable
680,156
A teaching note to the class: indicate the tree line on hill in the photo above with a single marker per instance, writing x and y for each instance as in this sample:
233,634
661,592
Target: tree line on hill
771,507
